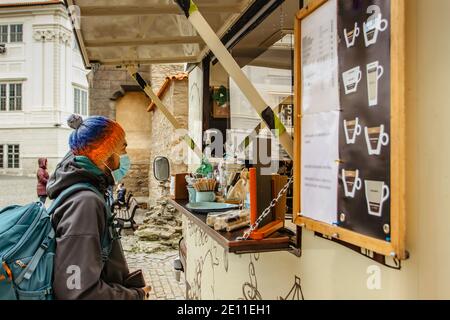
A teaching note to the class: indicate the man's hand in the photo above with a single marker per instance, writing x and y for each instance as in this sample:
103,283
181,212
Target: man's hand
147,290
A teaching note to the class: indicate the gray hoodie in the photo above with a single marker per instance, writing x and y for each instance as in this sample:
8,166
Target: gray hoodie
79,272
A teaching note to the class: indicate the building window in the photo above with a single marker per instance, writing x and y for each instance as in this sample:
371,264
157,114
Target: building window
16,33
15,97
3,97
77,100
13,156
10,97
80,102
2,156
3,33
84,103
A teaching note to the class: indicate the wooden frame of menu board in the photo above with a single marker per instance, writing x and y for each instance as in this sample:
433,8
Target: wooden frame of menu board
396,246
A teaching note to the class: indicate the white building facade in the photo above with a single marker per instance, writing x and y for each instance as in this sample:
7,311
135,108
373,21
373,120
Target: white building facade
42,82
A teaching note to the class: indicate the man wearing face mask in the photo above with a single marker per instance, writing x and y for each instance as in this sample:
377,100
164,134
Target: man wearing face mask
89,261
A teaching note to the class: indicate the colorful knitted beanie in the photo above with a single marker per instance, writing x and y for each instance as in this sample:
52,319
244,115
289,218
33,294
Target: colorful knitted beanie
94,137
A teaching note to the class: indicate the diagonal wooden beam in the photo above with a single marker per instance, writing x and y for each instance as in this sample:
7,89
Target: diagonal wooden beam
246,142
132,70
233,69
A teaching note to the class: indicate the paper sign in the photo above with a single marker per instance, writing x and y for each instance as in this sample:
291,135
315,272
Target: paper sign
320,78
320,150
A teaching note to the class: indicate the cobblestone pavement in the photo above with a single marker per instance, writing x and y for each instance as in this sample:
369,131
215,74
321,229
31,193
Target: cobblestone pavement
157,267
158,272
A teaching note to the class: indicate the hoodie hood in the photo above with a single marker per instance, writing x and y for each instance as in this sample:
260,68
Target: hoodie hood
72,170
42,163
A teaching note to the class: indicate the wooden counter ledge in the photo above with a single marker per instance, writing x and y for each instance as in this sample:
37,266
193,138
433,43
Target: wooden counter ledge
280,241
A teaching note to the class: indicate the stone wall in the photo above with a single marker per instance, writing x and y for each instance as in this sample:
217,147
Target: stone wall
161,71
104,84
163,140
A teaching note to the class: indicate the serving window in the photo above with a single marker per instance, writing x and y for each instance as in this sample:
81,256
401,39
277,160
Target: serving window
265,53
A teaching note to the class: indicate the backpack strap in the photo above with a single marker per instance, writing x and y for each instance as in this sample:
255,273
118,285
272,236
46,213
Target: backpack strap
32,265
108,234
70,191
106,240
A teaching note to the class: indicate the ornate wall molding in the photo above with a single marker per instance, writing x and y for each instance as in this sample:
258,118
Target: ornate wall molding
44,35
63,36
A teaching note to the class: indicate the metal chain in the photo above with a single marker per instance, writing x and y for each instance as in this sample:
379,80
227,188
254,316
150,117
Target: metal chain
266,211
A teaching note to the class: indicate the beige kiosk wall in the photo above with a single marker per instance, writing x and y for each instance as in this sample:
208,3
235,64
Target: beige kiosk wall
329,271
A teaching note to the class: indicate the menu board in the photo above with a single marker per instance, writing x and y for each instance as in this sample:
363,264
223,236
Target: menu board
346,111
364,142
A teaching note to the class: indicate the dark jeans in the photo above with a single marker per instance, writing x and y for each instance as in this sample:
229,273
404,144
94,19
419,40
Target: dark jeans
43,199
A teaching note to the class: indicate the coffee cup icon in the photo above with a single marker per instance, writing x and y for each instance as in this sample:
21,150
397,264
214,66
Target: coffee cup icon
376,138
352,182
377,192
350,36
351,80
374,73
352,130
372,27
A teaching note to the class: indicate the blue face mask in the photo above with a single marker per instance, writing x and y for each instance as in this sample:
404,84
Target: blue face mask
125,165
